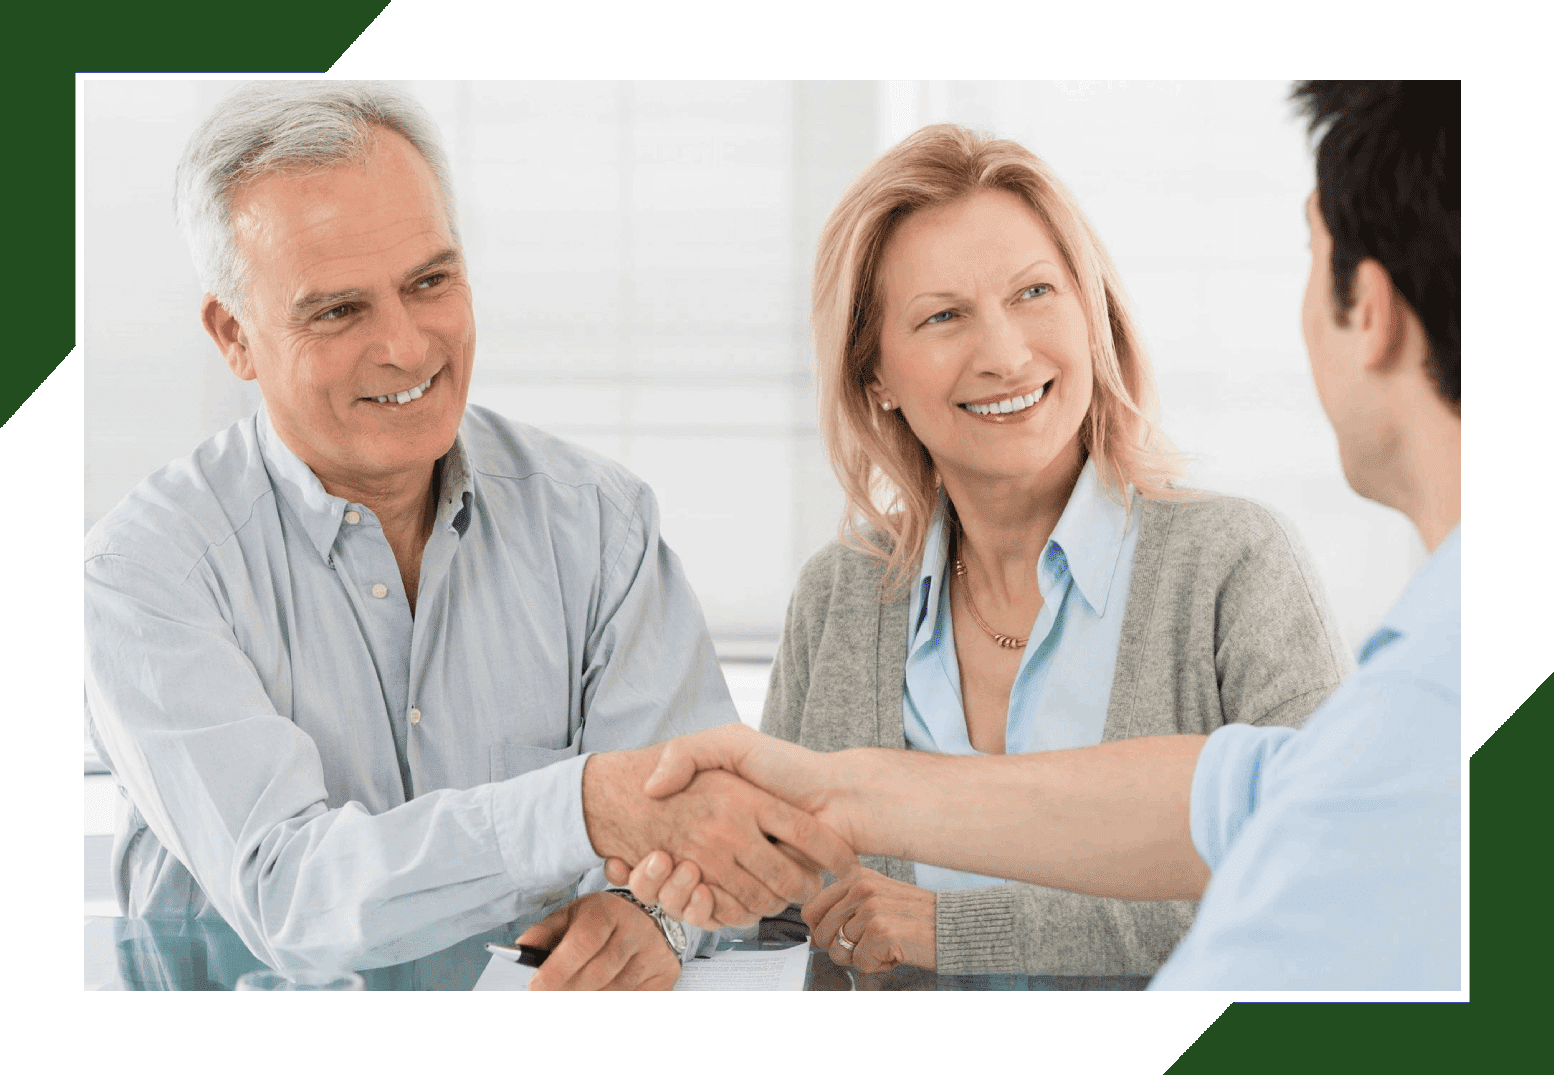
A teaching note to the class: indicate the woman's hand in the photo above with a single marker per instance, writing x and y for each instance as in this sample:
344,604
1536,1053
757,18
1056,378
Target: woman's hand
887,921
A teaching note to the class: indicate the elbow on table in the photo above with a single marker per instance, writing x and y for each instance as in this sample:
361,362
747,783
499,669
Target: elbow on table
288,941
288,931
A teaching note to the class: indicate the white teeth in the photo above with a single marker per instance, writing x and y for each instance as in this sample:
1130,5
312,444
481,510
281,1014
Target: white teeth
407,395
1007,406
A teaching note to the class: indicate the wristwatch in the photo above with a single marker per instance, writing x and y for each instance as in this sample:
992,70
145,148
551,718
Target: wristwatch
674,933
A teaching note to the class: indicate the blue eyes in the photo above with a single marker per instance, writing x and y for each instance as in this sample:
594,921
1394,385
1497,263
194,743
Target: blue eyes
345,309
1035,291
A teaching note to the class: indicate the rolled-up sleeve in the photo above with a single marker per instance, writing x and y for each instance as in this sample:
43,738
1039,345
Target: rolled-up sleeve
1226,783
1346,872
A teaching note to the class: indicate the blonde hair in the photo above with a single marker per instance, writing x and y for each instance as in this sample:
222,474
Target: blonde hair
887,476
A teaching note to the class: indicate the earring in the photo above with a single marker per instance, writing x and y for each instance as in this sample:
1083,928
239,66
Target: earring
885,404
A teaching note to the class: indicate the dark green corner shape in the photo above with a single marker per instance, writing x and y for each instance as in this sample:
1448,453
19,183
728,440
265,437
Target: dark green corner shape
1511,950
1509,843
49,44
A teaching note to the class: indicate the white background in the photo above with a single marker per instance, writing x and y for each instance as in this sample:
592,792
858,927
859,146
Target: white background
641,252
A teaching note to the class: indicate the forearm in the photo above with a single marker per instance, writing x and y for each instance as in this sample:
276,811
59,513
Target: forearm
347,888
1110,820
305,885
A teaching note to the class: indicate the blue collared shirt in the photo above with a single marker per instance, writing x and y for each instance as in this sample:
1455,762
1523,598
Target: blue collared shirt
1336,850
1064,683
343,783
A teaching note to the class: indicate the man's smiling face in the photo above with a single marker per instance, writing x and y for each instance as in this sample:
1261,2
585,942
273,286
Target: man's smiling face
359,324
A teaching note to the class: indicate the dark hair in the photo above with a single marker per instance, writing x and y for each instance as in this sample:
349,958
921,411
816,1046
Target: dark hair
1389,185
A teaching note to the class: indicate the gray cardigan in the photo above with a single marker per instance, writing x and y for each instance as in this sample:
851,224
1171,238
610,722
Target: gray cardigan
1225,621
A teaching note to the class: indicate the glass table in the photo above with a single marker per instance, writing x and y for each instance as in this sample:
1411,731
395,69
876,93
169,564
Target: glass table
205,954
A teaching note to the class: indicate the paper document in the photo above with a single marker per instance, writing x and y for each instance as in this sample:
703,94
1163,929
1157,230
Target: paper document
729,969
504,974
783,969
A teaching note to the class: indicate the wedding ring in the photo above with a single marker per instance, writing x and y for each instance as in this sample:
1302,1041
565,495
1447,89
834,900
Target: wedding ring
841,939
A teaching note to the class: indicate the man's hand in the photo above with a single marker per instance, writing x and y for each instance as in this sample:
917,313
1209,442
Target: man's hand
677,889
717,821
680,893
602,942
888,922
810,780
1108,820
803,777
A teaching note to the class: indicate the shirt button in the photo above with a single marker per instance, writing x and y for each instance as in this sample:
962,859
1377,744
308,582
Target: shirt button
415,715
379,590
353,517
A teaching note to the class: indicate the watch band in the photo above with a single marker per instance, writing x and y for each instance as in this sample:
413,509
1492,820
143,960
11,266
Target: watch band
673,931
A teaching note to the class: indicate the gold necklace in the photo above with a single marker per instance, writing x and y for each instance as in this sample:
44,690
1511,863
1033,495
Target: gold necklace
1006,641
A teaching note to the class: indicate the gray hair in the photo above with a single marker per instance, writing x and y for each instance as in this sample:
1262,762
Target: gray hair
265,127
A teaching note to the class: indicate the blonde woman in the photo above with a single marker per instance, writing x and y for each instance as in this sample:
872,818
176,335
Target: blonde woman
1018,569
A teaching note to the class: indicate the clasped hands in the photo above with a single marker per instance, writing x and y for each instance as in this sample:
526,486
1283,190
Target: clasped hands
719,829
756,852
863,919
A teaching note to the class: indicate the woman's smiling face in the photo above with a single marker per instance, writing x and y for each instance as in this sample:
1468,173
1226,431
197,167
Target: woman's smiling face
984,344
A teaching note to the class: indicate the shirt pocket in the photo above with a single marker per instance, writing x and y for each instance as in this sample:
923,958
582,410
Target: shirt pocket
512,757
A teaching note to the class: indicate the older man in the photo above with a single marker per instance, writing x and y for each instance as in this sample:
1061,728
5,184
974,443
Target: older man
1327,858
348,660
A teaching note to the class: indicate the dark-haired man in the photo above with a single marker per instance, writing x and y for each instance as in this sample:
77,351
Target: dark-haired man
1326,858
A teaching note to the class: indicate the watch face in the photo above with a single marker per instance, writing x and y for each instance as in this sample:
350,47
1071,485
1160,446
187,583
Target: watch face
674,933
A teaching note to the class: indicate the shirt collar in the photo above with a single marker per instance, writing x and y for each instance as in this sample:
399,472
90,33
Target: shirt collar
931,573
1089,536
322,513
1086,544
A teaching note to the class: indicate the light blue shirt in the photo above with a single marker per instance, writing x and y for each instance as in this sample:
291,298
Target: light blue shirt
342,783
1064,682
1336,850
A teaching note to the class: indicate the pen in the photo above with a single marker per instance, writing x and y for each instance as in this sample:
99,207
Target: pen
519,953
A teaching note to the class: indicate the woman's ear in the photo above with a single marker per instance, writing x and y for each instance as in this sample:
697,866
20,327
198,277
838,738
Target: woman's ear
881,396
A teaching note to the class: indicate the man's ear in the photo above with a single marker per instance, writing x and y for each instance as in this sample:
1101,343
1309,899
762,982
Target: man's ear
1378,315
228,334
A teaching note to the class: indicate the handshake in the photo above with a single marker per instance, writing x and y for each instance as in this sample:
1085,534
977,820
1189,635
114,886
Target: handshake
764,819
719,829
724,826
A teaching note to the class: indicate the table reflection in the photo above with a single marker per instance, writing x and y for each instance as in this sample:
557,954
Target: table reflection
206,954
